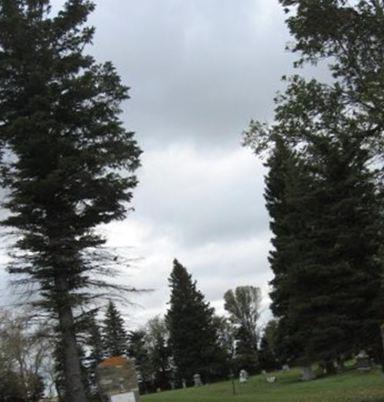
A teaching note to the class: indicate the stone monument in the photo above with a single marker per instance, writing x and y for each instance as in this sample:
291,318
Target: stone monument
197,380
363,362
117,380
285,367
243,376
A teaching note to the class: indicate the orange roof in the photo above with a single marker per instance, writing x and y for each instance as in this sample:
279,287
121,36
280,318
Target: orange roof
113,361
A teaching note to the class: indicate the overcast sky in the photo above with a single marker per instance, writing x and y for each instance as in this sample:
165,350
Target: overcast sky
199,70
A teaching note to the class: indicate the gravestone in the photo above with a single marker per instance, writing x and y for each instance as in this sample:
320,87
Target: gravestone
197,380
117,380
184,383
243,376
285,367
363,361
307,373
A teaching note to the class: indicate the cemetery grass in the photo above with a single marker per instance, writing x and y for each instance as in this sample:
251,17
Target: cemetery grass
350,386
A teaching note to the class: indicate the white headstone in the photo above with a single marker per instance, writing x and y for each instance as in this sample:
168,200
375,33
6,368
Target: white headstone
243,376
197,380
127,397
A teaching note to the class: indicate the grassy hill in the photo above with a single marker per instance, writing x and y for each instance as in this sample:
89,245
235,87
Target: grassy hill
351,386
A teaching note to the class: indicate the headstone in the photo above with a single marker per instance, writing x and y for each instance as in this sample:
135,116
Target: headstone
285,367
307,373
243,376
197,380
184,383
363,361
117,380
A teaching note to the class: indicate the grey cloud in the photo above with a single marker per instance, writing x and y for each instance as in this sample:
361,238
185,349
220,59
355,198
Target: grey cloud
202,197
198,70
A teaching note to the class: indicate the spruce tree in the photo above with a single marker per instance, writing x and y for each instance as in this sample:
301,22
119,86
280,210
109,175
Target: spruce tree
327,290
64,151
192,335
115,337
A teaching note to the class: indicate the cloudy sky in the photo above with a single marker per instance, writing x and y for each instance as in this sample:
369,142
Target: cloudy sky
199,70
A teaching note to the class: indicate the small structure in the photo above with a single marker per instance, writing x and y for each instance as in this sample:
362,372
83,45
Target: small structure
285,367
243,376
117,380
197,380
363,361
184,383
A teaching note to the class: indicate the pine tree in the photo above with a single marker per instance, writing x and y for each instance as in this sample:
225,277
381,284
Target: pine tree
115,336
65,150
192,335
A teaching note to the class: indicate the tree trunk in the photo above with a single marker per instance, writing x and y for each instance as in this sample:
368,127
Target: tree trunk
74,387
330,367
382,351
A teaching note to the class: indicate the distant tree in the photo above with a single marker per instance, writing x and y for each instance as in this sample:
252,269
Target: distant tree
269,358
243,306
66,151
139,350
226,345
192,336
156,340
95,345
115,337
23,351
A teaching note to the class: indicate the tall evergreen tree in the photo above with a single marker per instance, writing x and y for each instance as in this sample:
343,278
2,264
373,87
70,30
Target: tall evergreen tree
65,150
115,337
327,289
192,335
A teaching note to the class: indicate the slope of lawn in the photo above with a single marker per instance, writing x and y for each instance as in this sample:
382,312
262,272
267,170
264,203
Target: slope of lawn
351,386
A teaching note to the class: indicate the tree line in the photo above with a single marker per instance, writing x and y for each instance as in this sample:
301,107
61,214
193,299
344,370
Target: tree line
167,351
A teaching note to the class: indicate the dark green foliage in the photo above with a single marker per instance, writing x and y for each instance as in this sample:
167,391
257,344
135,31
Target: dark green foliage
115,337
95,345
323,189
192,336
350,36
138,349
268,353
156,340
64,148
326,221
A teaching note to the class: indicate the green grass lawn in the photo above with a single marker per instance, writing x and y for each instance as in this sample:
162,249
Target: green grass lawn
348,387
